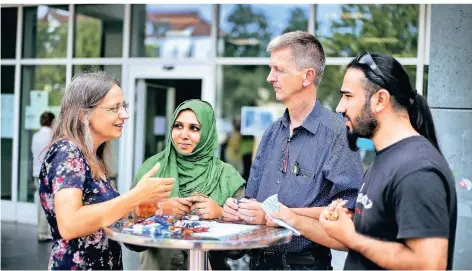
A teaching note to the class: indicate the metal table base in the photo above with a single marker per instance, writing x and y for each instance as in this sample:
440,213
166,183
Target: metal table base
197,260
259,237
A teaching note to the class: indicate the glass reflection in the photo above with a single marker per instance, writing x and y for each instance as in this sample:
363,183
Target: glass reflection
7,112
171,31
99,30
114,70
347,29
40,91
247,29
45,31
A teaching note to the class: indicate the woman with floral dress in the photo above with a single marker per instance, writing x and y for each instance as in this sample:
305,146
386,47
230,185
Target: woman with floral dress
76,191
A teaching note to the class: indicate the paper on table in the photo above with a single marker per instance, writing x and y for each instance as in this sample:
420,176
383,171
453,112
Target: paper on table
271,205
222,230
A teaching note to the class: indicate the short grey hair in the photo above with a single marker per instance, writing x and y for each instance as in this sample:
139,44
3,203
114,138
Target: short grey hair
306,48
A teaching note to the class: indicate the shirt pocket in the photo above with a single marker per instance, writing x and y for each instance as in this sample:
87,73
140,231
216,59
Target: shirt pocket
302,174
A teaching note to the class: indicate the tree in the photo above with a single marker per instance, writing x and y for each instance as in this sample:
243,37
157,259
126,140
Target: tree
241,87
249,33
51,39
391,29
298,20
51,42
88,37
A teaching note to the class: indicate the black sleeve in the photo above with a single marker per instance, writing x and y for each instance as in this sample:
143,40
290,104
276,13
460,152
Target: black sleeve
420,202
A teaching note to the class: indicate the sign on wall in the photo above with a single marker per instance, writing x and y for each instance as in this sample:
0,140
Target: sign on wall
255,120
38,105
8,102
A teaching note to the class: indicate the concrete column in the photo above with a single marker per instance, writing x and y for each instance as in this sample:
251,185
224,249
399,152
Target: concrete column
450,97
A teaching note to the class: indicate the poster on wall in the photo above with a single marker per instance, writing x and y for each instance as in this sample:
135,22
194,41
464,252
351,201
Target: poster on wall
8,102
159,125
254,120
38,105
39,99
32,118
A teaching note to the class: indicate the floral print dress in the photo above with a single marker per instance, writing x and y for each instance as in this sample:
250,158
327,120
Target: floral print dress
65,167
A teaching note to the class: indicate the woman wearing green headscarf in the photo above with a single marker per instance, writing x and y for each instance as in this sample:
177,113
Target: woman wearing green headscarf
189,158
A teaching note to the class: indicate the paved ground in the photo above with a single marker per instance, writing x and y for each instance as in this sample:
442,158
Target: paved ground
20,250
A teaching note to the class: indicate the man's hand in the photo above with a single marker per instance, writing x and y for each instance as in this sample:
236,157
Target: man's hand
341,229
285,214
205,207
251,211
230,210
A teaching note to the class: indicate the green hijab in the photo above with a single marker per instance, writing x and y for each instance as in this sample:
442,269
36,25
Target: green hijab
201,171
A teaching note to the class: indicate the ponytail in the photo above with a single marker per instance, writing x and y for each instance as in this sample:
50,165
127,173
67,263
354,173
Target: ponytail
422,120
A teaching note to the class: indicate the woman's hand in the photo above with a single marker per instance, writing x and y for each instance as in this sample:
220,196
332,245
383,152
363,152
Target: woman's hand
205,207
174,206
152,189
230,210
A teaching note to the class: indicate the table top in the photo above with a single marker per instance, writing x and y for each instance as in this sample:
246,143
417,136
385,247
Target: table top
259,237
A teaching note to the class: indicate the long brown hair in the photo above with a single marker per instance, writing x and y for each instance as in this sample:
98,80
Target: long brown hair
85,91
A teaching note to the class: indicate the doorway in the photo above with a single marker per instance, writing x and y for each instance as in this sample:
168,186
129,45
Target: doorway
158,99
153,92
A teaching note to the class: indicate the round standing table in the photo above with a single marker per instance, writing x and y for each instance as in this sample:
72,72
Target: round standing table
198,247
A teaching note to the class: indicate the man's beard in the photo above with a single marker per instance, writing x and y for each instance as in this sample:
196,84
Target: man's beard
365,127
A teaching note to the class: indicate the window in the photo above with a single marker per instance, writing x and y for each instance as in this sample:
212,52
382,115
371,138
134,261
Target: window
171,31
347,29
9,27
114,70
99,30
7,101
245,30
244,85
40,91
45,31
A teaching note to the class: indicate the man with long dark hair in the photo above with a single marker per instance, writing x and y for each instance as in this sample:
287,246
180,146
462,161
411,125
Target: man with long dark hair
406,211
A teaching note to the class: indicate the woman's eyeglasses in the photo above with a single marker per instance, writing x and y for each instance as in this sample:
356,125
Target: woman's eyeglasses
117,109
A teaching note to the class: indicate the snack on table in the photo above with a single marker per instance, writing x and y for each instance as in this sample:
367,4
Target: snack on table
192,217
330,212
163,225
146,209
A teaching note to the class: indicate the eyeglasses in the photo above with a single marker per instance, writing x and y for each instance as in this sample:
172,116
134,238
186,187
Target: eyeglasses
366,59
115,110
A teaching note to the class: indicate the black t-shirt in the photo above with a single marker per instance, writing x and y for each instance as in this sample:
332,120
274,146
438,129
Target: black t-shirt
408,192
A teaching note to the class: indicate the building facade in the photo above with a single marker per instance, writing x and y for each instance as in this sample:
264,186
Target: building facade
165,54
